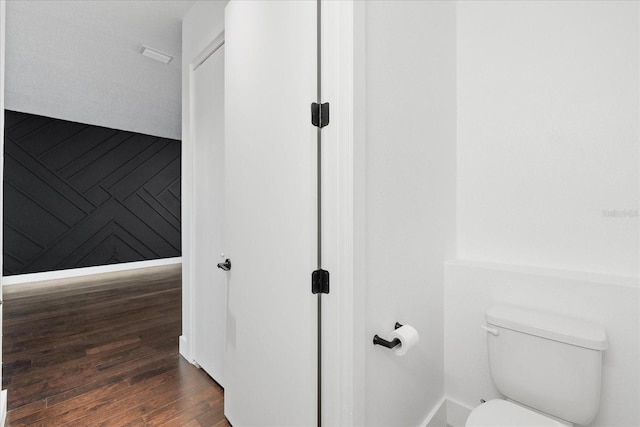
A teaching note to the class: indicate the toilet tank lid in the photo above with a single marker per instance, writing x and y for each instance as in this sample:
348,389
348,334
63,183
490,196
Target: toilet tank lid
550,326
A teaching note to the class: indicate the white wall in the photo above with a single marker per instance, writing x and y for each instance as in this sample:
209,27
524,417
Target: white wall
202,24
80,61
410,188
548,134
607,300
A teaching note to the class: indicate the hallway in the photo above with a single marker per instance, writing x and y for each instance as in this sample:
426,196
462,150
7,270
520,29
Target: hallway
103,353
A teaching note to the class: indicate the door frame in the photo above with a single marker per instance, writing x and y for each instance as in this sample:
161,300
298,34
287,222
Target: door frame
188,196
3,14
343,200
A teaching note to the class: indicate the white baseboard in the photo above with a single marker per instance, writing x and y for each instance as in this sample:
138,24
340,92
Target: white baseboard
457,413
447,413
3,407
86,271
183,348
438,415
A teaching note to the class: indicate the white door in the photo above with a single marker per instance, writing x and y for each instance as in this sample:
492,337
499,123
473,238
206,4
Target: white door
270,81
210,283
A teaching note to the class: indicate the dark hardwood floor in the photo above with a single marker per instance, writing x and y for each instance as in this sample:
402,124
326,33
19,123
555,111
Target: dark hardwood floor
103,353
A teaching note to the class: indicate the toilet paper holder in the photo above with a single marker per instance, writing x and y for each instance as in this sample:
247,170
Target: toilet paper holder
389,344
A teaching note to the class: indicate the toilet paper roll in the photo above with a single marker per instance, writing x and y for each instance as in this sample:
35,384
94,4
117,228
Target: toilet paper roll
408,337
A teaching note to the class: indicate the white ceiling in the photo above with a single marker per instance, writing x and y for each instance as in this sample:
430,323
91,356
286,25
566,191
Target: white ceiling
79,60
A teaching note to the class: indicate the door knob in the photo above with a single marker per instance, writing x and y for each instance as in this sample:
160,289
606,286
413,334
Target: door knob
226,265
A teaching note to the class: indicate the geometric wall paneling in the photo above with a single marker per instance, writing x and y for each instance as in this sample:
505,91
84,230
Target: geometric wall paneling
78,195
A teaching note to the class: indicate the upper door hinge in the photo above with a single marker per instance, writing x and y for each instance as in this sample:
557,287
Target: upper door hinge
320,114
320,282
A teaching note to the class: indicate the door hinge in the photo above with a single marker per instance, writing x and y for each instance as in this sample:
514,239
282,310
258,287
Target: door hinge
320,114
320,282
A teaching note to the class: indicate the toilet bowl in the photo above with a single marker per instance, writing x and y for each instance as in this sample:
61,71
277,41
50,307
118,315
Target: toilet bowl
547,366
502,413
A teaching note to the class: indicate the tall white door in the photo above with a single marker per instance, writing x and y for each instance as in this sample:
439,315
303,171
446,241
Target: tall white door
209,283
270,371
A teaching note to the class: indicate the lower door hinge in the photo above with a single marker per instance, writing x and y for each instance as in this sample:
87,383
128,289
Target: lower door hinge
320,282
320,114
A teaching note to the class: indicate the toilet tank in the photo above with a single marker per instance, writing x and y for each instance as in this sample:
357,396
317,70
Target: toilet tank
547,362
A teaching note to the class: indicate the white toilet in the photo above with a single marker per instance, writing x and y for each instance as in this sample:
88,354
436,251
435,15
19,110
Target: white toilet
547,366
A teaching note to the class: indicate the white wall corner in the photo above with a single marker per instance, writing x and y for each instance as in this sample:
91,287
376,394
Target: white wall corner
456,413
447,413
437,417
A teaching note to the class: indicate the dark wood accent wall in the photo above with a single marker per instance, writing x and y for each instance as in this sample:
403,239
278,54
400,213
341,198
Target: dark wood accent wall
78,195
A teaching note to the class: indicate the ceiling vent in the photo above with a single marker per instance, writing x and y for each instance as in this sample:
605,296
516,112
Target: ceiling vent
156,55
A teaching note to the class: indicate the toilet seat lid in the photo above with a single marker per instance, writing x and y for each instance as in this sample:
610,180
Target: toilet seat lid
501,413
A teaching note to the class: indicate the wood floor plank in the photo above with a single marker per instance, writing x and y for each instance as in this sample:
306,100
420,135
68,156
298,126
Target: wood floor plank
137,410
103,352
196,402
212,416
